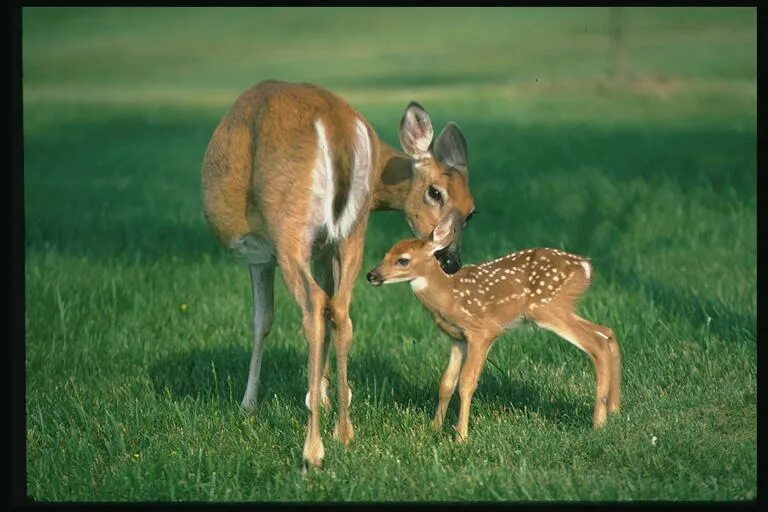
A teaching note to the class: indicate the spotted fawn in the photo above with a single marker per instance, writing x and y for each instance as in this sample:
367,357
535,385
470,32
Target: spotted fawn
479,302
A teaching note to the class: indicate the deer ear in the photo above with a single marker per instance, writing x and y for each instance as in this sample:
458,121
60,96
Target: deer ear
451,148
442,235
415,130
396,170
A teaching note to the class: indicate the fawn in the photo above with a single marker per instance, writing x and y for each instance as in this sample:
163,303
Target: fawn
479,302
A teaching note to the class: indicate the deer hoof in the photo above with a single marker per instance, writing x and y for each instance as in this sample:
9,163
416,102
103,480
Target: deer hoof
344,433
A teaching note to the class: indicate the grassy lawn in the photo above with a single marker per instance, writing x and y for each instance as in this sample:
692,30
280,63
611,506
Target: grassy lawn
137,322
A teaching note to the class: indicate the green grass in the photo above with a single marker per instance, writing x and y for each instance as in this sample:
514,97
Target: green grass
130,398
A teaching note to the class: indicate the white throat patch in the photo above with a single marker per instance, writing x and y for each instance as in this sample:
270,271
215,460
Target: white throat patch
419,284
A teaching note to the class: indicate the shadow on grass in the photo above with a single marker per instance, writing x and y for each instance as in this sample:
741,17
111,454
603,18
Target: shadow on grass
219,374
726,324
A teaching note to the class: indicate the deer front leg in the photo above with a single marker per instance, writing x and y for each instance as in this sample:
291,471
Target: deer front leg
262,284
349,261
477,350
448,381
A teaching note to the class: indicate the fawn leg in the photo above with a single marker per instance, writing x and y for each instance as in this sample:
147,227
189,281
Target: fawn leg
448,381
477,350
614,392
569,327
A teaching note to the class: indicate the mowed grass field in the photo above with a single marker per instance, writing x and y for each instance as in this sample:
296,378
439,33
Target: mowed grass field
137,323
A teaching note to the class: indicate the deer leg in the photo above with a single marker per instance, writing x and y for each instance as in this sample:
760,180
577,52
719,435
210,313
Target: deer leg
262,284
448,381
313,301
346,270
326,274
477,350
325,382
568,327
614,390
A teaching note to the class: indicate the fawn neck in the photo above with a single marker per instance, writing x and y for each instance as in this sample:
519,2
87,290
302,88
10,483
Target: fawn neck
433,286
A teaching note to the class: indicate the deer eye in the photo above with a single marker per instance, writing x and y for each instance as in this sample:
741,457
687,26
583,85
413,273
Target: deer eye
469,217
402,261
435,194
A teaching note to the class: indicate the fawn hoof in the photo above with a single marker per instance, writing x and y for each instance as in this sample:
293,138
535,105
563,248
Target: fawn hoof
344,433
436,425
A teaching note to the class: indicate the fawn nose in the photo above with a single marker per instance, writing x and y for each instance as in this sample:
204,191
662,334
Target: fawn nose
373,277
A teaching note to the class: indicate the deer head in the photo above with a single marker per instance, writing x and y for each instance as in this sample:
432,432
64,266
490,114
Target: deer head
440,186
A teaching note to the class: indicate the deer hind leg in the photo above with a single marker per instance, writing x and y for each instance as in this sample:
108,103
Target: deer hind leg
325,272
262,284
346,268
607,334
569,327
448,381
313,301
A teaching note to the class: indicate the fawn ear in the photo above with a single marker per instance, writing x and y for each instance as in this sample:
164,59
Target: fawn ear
415,130
442,235
451,148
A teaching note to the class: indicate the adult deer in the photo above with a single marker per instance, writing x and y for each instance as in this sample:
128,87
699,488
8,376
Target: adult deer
475,305
289,178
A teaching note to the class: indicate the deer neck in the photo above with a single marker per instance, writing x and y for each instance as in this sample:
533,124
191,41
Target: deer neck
395,174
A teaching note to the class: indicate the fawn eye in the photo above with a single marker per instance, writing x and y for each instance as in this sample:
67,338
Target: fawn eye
435,194
402,261
469,217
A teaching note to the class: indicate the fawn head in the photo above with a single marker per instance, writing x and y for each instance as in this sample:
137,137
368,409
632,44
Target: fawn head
412,258
440,185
